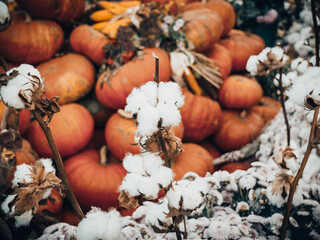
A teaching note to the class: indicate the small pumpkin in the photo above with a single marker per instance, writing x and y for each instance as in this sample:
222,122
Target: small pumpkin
203,28
239,91
113,93
241,46
211,148
231,167
30,41
86,40
237,129
120,135
267,108
59,10
222,57
194,158
70,77
71,128
201,116
94,182
223,8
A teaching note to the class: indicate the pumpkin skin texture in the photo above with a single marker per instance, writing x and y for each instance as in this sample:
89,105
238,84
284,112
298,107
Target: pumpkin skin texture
71,128
86,40
120,136
267,108
194,158
231,167
222,57
64,78
133,74
240,92
241,46
237,129
59,10
209,146
30,42
201,117
92,183
202,29
223,8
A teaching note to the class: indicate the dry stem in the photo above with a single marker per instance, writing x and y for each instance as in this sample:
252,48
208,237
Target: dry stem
294,184
59,163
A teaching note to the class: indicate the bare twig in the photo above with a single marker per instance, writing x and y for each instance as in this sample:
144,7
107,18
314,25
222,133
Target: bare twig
59,163
316,30
156,75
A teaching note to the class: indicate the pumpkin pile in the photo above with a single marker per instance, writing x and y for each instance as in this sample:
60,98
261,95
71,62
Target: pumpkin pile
94,68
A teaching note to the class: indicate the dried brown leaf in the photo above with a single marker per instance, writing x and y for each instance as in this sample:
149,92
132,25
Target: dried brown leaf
281,184
127,201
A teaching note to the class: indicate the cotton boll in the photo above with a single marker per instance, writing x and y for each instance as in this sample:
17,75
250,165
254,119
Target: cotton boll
150,90
275,199
4,13
99,225
148,187
162,176
170,93
136,101
26,70
134,163
200,184
169,113
316,90
191,199
301,48
23,219
151,162
22,174
9,95
252,65
130,184
279,53
48,167
293,37
263,54
174,195
5,204
158,213
297,93
148,119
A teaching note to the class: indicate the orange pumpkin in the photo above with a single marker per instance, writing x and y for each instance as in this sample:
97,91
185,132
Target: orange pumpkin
52,204
201,116
94,183
71,128
237,129
231,167
194,159
222,57
239,91
120,136
70,77
267,108
86,40
242,45
30,41
59,10
113,93
223,8
203,28
68,215
211,148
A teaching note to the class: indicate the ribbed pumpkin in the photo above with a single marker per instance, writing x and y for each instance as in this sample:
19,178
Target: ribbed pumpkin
94,183
201,116
223,8
239,91
237,129
70,77
86,40
210,147
222,57
59,10
203,28
120,136
30,41
71,128
242,45
135,73
267,108
194,159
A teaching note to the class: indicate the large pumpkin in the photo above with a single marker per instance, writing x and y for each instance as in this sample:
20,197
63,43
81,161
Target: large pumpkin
86,40
30,41
242,45
211,148
237,129
239,91
120,136
194,159
59,10
201,116
113,93
222,57
203,28
70,77
94,183
223,8
267,108
71,128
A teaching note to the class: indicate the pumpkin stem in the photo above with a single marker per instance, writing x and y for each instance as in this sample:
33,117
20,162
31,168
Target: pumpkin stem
27,17
103,155
125,114
243,115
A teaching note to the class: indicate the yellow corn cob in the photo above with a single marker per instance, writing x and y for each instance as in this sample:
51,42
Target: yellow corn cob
101,15
192,82
100,25
106,4
112,28
128,4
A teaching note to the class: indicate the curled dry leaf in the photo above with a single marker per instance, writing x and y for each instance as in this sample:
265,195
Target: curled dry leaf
48,107
127,201
282,155
281,184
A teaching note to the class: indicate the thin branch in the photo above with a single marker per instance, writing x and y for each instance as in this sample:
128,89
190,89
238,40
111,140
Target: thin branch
59,163
316,30
156,75
294,184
